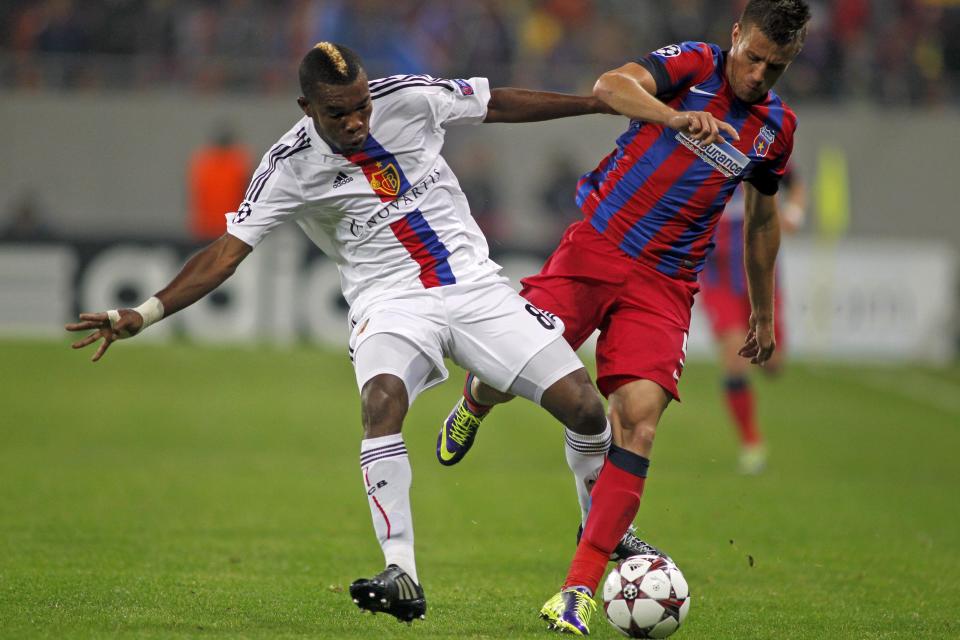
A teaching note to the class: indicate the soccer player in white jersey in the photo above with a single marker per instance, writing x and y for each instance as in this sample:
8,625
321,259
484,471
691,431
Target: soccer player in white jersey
362,175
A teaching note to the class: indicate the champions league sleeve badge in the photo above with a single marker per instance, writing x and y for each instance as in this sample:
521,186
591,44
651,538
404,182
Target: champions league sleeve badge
669,51
761,144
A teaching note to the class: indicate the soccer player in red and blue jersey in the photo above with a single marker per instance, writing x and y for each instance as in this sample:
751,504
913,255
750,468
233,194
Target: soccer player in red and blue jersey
724,295
702,121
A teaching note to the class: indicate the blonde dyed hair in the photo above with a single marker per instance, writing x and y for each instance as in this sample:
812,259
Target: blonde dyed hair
335,57
328,63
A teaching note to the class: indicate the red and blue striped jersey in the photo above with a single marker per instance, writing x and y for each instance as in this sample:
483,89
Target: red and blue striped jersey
724,265
659,194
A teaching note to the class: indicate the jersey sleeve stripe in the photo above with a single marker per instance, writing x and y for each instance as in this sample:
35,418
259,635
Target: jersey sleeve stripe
276,151
387,90
305,144
659,72
274,154
380,82
292,151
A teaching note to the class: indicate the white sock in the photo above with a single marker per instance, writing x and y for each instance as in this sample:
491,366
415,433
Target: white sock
585,456
386,478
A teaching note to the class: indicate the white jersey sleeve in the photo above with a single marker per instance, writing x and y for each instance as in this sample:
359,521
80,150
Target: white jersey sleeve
465,104
274,195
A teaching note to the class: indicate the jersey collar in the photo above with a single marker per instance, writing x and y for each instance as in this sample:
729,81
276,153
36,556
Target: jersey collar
319,144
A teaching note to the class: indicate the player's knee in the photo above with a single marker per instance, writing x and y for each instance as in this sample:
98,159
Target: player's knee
585,413
590,417
637,435
635,410
383,406
639,439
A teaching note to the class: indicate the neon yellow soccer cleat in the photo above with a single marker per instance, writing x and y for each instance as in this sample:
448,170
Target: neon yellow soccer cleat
458,432
569,611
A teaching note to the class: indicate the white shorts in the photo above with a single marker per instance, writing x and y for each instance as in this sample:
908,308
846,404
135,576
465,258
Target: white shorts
484,327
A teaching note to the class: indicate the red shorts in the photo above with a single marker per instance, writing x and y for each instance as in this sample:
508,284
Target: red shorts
643,315
729,311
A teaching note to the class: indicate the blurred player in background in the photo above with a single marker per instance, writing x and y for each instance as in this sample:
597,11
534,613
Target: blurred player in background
216,180
702,121
361,174
723,292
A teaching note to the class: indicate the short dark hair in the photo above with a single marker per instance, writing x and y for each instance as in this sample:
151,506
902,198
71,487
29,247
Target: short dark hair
783,21
328,63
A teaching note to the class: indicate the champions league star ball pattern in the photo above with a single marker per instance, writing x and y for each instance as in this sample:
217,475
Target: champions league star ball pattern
646,597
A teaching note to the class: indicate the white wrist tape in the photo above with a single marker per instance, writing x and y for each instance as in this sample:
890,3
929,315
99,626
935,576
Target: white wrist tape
151,311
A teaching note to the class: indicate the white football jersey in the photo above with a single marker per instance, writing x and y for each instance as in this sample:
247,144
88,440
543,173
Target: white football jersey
392,216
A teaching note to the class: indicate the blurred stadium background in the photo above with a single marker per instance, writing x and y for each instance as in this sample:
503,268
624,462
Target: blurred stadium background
111,108
109,104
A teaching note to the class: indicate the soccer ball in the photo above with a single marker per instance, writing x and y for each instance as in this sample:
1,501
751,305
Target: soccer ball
646,597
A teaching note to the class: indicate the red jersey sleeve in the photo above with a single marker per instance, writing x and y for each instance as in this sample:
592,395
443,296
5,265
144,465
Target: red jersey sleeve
767,175
678,66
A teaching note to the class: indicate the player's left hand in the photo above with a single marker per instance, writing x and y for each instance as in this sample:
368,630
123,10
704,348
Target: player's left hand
125,323
760,343
702,126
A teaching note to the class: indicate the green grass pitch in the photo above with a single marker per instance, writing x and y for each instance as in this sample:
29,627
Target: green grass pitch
184,491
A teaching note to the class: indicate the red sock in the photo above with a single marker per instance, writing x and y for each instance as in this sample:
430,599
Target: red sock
475,407
614,502
741,404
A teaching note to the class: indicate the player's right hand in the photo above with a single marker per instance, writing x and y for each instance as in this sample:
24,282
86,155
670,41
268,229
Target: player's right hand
126,323
760,344
702,126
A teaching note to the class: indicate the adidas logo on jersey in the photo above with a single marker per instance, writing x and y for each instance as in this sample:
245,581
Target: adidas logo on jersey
341,180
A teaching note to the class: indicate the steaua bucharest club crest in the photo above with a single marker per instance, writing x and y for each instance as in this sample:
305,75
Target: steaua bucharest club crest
386,181
761,144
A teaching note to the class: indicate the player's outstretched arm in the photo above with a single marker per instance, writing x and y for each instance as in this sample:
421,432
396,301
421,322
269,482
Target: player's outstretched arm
523,105
631,91
201,274
761,241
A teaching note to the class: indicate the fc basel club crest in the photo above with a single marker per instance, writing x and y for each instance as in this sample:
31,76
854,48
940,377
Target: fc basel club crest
386,181
761,144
